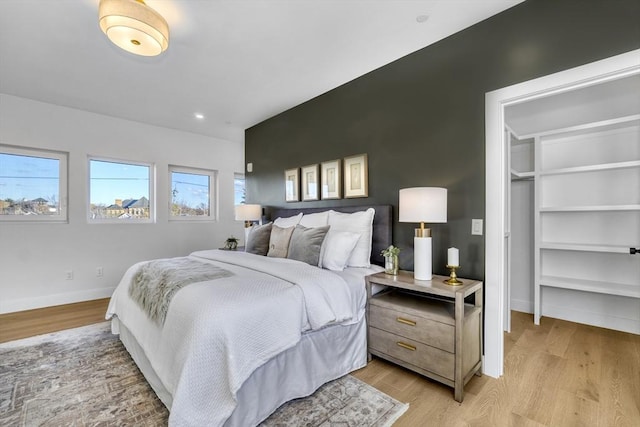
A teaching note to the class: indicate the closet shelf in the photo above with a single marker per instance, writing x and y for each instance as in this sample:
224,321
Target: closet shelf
584,247
594,208
591,168
516,174
600,287
587,127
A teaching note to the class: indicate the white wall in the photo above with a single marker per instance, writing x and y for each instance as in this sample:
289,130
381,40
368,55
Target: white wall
34,257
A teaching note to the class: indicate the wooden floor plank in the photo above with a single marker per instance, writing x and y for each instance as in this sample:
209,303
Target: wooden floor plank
583,375
539,387
574,411
620,376
559,337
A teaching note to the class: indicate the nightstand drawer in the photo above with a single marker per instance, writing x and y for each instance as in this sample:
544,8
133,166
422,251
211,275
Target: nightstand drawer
414,327
423,356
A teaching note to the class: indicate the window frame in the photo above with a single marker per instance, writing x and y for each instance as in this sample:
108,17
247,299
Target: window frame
213,193
152,195
63,183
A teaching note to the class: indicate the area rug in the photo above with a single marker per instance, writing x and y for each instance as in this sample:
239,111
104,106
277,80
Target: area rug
85,377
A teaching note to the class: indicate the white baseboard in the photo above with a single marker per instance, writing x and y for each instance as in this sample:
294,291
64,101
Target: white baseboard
580,316
22,304
631,326
523,306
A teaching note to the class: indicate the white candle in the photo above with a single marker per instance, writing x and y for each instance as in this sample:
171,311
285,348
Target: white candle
453,257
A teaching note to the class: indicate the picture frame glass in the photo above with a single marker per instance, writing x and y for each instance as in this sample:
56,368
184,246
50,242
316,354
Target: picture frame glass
356,176
291,179
331,180
310,183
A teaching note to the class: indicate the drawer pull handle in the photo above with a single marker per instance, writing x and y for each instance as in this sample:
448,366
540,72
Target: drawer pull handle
407,346
405,321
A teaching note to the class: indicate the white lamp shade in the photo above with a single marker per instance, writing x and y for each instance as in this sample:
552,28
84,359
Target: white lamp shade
248,212
423,204
134,26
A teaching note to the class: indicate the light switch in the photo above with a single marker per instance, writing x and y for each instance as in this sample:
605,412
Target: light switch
249,167
476,227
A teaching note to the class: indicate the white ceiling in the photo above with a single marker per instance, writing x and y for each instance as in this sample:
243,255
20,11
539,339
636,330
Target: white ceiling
237,62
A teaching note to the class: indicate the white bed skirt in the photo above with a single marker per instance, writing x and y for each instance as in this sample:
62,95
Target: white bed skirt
319,357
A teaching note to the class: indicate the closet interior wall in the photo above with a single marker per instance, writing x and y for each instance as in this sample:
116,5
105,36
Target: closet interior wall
522,230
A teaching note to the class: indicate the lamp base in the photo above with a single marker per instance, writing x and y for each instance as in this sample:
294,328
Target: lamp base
453,279
247,230
422,258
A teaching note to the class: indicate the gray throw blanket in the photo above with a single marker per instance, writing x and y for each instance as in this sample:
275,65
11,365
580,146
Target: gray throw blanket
156,282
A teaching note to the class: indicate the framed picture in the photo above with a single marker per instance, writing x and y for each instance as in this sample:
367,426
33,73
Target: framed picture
291,185
310,182
356,176
330,180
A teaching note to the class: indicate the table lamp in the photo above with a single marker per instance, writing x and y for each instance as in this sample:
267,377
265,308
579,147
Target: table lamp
423,204
248,214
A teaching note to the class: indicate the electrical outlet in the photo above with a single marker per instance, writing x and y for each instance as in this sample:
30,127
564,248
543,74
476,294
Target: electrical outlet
99,272
69,274
476,227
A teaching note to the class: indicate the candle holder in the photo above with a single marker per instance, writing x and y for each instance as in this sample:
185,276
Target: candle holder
453,279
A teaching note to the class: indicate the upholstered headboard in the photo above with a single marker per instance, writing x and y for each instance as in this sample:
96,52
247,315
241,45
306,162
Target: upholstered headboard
382,223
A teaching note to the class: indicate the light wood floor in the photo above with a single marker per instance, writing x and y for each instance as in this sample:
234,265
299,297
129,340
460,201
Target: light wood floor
29,323
557,374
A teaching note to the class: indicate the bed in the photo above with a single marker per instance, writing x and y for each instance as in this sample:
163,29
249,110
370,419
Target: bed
256,331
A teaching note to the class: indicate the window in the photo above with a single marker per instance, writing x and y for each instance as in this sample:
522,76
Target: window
239,189
33,184
120,191
192,194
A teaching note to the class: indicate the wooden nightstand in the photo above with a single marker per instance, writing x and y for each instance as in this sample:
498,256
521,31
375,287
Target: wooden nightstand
425,326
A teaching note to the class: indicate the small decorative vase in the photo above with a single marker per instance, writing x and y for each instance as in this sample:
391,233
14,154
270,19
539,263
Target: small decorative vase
391,264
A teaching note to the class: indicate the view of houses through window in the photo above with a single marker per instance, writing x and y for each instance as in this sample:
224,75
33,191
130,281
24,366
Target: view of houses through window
32,184
192,193
119,190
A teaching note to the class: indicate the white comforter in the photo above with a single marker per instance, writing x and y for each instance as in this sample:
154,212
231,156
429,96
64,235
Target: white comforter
217,333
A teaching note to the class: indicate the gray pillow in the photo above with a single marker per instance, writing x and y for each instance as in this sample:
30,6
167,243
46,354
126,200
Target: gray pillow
306,243
258,240
279,241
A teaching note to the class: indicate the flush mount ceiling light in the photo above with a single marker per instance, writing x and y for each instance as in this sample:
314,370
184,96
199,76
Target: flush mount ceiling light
134,26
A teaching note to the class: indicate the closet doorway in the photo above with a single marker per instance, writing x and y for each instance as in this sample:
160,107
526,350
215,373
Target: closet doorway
559,198
574,211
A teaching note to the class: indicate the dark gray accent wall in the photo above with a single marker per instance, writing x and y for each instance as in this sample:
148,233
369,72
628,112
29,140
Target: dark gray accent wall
421,118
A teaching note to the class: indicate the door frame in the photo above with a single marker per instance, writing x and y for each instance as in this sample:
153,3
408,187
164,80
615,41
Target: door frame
618,66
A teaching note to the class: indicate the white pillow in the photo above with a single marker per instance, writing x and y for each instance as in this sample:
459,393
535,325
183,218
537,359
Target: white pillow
337,248
358,222
291,221
319,219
